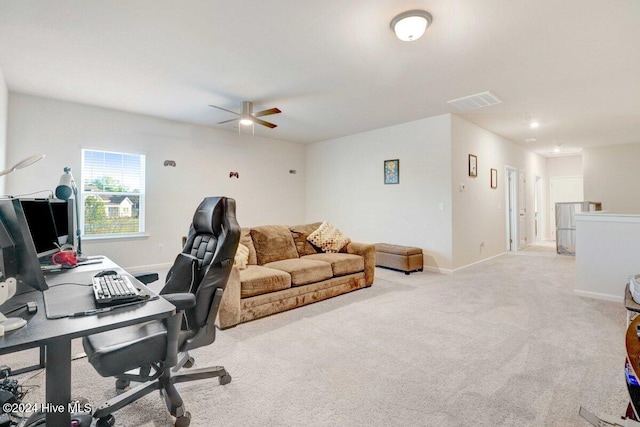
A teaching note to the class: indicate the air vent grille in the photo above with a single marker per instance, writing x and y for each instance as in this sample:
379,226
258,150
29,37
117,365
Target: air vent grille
479,100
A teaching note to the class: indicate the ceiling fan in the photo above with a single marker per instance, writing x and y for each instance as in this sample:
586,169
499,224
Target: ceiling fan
248,117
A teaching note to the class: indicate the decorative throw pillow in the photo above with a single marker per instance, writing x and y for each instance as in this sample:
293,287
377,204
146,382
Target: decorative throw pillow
328,238
242,257
245,239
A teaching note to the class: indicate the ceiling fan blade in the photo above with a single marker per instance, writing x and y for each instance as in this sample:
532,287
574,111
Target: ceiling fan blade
230,120
267,112
224,109
263,123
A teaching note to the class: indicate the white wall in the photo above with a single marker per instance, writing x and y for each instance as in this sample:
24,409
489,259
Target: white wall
564,166
606,254
612,176
345,186
479,211
265,192
4,109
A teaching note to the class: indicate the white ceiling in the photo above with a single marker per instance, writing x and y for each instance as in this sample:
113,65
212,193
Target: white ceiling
334,67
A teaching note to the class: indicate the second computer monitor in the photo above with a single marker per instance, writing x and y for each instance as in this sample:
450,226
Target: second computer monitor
28,271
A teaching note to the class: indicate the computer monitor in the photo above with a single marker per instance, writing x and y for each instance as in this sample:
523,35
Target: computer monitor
41,225
28,271
63,218
8,256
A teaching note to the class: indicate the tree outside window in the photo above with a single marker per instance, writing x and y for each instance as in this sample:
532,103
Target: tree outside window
113,189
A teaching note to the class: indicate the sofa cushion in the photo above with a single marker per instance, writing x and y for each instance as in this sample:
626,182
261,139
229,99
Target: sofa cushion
300,234
245,239
303,271
328,238
273,243
258,280
341,264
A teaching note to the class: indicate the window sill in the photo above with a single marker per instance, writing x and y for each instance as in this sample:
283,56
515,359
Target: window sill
105,237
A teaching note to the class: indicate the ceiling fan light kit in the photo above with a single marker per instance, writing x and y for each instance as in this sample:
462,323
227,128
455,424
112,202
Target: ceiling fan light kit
411,25
248,117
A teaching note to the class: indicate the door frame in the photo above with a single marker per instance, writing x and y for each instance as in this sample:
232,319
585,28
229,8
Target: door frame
537,204
511,207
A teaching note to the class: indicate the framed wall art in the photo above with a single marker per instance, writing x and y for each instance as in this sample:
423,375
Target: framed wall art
473,165
392,171
494,178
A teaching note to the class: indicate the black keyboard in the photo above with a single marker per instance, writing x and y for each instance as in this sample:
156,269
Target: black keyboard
115,289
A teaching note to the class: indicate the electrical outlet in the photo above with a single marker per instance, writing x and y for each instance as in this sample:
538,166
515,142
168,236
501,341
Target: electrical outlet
161,248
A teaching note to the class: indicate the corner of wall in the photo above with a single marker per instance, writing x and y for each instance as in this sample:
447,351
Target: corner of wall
4,111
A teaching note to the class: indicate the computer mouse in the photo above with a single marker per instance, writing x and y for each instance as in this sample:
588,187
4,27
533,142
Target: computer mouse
107,273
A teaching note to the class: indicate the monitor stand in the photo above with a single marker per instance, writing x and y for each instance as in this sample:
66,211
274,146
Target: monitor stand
10,324
7,290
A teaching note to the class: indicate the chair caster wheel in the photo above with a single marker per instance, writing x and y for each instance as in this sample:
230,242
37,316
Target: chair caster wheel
189,363
184,420
225,379
108,421
121,384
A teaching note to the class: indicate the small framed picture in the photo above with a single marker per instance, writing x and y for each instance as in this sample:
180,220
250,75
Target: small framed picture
494,178
473,165
392,171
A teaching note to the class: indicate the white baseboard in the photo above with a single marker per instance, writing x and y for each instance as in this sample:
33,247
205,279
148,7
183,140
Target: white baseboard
437,270
597,295
449,271
478,262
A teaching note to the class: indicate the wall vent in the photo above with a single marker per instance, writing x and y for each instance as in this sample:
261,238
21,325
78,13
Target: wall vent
479,100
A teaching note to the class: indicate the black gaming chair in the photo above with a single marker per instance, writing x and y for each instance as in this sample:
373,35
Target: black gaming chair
156,351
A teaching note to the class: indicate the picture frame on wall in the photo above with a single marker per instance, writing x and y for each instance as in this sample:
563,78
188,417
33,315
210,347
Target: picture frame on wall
473,165
494,178
392,171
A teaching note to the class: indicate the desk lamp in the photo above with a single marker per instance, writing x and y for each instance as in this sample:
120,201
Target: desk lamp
64,190
23,163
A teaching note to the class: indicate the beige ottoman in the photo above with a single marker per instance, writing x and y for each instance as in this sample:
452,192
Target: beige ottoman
403,258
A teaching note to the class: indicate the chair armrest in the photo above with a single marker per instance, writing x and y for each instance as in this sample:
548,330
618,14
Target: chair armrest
182,301
368,252
146,278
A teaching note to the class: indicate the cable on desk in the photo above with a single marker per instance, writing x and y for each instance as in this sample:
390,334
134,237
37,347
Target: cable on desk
20,307
36,192
70,283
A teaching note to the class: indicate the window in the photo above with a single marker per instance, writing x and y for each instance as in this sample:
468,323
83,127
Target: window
112,193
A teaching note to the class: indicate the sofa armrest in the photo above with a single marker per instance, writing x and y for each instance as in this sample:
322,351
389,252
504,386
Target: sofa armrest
368,252
229,312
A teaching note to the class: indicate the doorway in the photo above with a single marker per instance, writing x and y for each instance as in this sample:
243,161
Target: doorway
537,204
563,189
522,210
511,181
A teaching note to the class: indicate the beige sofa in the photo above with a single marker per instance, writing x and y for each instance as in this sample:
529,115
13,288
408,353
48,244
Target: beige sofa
285,271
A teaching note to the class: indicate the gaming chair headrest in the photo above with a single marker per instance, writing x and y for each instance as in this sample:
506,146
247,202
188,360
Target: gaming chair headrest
208,216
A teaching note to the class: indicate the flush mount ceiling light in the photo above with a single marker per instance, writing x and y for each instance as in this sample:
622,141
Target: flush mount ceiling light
411,25
534,125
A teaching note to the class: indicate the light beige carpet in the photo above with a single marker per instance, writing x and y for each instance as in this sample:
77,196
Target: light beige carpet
502,343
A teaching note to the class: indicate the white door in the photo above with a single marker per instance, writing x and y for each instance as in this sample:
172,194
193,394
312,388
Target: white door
537,202
511,208
522,210
563,189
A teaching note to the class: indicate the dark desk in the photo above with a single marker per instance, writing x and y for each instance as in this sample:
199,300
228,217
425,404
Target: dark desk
56,335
